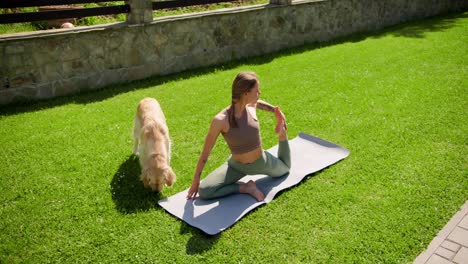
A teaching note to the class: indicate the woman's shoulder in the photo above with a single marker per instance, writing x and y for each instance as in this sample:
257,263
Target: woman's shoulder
223,114
222,118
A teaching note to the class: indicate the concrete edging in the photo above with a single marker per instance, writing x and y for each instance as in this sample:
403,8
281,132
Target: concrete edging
442,236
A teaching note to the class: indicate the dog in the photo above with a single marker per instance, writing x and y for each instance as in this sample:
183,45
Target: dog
153,145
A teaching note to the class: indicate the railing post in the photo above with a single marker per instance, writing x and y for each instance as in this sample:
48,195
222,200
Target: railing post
141,11
280,2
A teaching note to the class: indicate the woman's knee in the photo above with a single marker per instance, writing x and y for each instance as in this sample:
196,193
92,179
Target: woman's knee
280,170
205,191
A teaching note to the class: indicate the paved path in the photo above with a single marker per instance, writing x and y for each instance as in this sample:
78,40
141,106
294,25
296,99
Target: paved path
451,243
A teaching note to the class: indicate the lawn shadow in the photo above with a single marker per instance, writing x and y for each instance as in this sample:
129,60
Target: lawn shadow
414,29
199,242
419,28
128,192
104,93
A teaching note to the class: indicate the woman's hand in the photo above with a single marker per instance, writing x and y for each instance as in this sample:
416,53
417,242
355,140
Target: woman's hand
192,192
280,120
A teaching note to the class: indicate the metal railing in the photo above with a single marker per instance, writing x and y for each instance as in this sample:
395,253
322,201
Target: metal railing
79,12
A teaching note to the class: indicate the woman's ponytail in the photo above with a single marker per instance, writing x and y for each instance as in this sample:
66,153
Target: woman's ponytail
232,116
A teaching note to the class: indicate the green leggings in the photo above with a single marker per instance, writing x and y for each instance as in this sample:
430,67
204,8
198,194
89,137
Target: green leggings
224,180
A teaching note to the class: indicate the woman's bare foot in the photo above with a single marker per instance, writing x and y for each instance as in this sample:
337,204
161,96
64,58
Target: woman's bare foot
281,131
281,126
251,188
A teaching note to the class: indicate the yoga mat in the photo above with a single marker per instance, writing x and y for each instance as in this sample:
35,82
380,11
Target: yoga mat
309,154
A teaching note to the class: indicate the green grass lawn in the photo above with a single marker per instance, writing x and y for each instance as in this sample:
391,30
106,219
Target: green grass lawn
397,99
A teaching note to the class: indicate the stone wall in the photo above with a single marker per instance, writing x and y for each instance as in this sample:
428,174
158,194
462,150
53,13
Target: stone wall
41,65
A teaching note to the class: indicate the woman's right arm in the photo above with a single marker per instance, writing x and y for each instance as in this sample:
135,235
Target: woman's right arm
210,141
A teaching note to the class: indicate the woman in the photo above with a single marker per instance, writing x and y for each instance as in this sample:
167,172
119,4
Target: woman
240,128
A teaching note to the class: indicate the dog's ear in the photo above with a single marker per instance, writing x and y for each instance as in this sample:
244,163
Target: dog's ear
170,176
144,177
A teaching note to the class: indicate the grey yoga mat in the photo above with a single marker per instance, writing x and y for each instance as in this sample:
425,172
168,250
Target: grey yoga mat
309,154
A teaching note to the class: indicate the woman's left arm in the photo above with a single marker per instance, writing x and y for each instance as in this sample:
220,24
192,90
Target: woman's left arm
262,105
280,118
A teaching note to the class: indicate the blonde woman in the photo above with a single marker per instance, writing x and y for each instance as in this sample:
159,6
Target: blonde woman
240,128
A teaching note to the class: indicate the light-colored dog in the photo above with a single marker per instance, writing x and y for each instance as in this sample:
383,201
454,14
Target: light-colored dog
153,145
